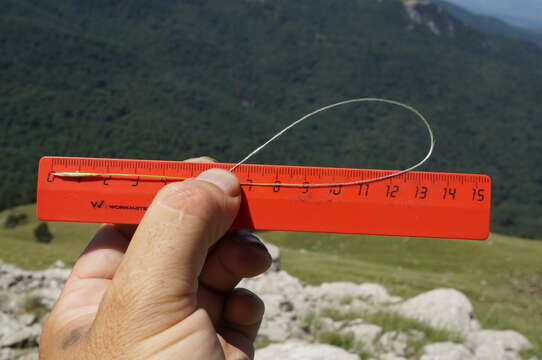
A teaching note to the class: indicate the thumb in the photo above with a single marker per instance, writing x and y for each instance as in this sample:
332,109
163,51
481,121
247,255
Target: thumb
156,284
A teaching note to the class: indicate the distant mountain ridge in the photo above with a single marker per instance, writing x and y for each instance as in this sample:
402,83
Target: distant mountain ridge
528,24
526,14
490,24
170,80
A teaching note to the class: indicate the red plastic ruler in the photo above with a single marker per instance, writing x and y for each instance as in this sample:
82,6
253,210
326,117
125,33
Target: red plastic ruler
425,204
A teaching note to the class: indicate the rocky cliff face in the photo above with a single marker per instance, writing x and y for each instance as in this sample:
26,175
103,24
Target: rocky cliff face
424,13
330,321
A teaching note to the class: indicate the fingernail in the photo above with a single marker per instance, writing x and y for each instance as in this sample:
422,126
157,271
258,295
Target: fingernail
225,180
252,239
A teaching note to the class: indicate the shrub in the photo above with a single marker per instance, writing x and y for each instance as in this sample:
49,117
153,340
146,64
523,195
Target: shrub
42,233
14,220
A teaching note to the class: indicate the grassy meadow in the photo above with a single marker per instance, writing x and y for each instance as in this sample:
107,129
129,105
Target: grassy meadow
17,246
501,276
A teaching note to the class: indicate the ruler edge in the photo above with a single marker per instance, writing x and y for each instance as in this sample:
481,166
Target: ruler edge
486,178
483,238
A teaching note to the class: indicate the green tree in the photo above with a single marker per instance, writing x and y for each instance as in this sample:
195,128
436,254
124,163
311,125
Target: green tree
14,220
11,222
42,233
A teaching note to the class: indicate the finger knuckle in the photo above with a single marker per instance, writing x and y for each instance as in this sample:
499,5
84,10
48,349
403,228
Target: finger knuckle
191,197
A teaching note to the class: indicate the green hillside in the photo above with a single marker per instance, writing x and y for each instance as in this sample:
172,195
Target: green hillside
168,80
501,276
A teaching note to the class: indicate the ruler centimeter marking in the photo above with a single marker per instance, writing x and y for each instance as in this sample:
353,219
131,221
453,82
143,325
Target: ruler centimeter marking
423,204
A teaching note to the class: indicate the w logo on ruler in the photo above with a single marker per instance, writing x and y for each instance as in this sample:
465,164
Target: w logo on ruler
97,204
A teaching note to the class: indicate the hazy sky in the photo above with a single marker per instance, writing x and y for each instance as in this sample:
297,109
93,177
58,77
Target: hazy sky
528,10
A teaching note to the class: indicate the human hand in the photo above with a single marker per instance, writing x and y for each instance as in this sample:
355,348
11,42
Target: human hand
166,289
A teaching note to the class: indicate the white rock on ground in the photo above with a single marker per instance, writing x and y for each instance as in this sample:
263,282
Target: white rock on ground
394,342
443,309
486,352
23,337
18,341
284,300
303,351
507,339
277,322
364,333
14,333
16,354
338,291
497,344
274,283
446,351
390,356
19,333
8,325
328,324
19,285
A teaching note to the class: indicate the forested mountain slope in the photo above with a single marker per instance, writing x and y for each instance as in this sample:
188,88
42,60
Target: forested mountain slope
169,79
